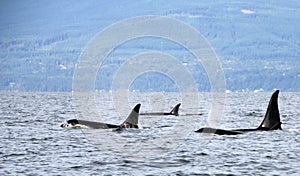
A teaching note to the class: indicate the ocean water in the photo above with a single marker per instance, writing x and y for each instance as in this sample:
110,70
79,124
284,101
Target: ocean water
33,143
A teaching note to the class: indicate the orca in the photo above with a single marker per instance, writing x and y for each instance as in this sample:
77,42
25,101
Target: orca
130,122
174,112
270,122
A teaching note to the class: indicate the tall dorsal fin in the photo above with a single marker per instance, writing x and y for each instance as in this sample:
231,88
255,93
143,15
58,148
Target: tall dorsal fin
133,118
272,116
175,110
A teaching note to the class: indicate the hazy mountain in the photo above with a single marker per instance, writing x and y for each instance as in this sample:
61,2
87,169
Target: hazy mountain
257,42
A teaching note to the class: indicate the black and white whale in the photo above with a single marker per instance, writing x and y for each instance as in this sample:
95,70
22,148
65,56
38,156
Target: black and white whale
174,112
130,122
270,122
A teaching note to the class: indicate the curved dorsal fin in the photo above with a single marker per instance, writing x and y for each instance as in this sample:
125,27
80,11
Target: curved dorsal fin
272,116
133,117
175,110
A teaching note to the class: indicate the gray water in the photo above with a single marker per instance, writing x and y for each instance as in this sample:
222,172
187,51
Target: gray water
32,142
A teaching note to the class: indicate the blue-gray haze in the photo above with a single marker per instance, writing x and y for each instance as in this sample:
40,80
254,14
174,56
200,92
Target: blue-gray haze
257,42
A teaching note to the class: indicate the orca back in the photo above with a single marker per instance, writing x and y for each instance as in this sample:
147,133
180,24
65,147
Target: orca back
130,122
217,131
270,122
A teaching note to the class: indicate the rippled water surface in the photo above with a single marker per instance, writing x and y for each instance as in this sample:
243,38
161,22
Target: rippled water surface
32,142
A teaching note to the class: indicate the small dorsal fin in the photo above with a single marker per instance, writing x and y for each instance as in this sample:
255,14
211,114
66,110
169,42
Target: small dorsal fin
175,110
272,116
133,118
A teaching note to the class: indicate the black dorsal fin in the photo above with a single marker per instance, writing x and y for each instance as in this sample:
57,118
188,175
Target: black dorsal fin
133,118
272,116
175,110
